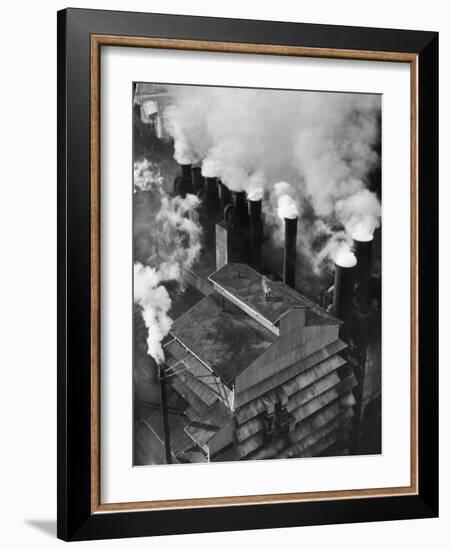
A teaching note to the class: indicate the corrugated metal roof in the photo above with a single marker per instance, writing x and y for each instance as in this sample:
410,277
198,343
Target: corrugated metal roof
338,425
313,390
250,428
206,424
250,444
188,395
246,284
325,442
226,339
311,399
290,372
253,448
324,398
322,417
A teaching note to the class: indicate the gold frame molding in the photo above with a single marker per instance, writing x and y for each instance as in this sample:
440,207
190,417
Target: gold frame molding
97,41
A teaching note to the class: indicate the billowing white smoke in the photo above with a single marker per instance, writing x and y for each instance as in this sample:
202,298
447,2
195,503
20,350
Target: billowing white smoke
155,303
179,237
239,135
146,176
345,257
186,122
255,194
178,232
287,207
360,214
283,203
337,248
334,147
323,143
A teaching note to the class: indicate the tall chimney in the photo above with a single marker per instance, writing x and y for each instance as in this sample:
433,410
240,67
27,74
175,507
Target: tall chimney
256,231
224,196
363,253
182,184
209,211
211,203
344,280
236,220
197,179
290,251
186,171
239,208
164,412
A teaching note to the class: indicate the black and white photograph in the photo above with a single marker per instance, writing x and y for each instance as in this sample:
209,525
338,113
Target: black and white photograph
256,274
225,290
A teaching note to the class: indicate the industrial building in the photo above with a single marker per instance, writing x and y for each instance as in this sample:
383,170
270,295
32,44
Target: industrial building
254,369
149,102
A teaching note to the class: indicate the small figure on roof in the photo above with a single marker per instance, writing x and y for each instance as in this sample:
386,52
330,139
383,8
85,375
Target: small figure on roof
266,288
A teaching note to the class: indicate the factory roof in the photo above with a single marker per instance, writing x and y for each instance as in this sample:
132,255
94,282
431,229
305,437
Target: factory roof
208,422
222,336
247,285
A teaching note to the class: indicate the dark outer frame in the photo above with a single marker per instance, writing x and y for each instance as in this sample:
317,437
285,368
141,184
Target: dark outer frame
78,517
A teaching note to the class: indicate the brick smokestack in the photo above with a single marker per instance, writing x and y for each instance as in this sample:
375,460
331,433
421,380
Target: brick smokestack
290,251
255,232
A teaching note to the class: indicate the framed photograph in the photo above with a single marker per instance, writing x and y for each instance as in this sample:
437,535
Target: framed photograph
247,288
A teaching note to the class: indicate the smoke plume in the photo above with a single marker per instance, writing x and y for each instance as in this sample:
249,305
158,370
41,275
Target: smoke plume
359,214
179,244
146,176
287,208
324,144
155,302
255,194
180,235
345,257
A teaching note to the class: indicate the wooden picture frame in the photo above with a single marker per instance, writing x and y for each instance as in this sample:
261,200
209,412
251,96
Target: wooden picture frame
81,35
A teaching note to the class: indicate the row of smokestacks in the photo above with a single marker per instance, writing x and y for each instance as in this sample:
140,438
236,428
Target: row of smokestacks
244,222
242,217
